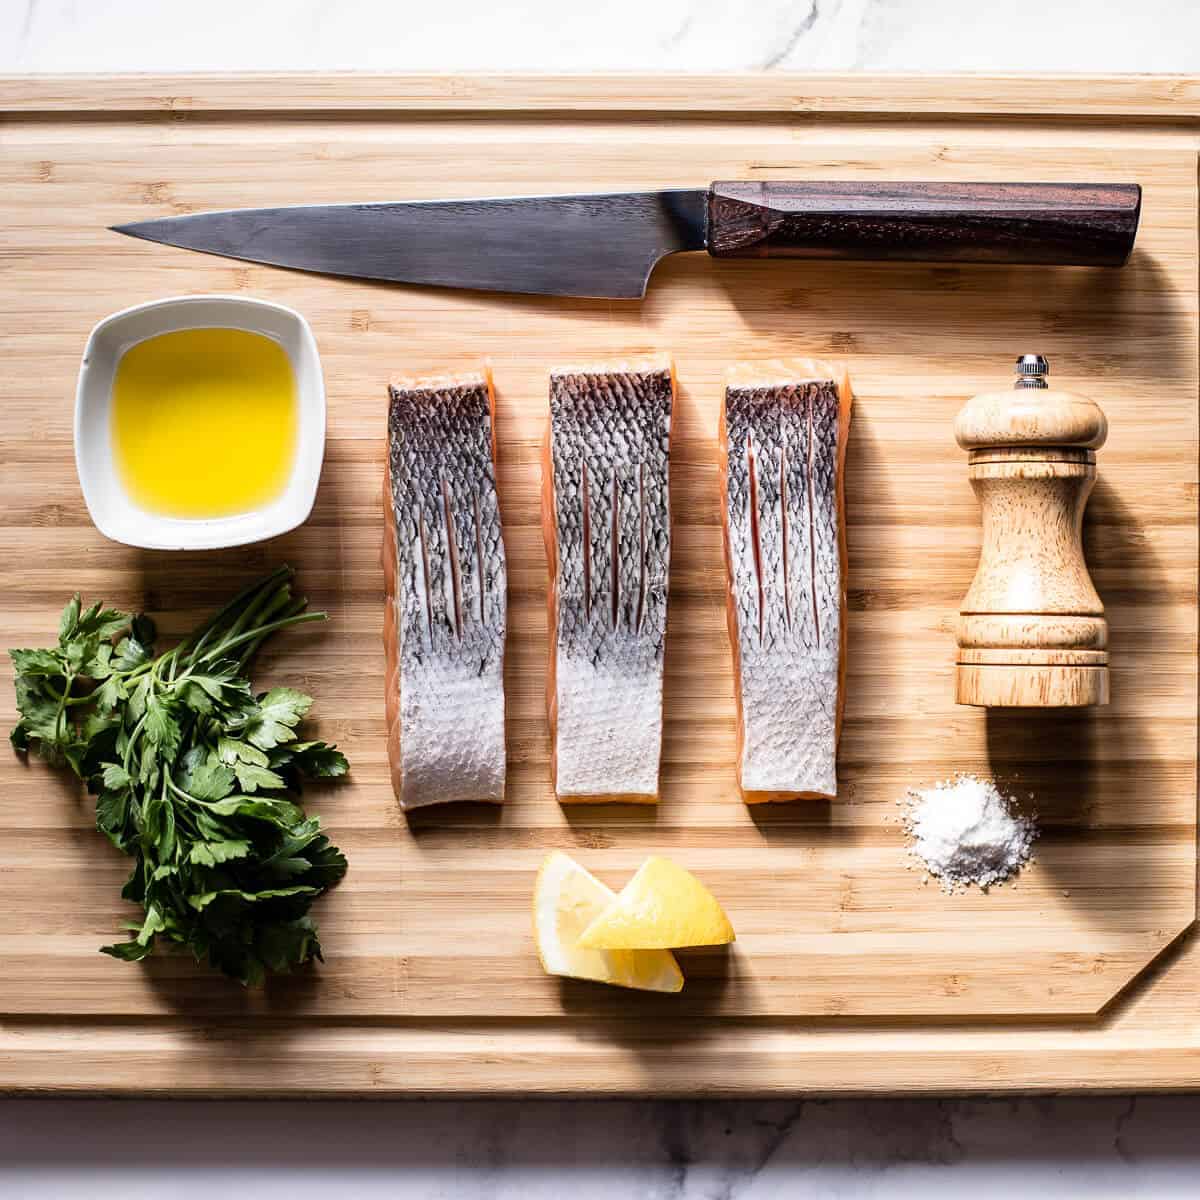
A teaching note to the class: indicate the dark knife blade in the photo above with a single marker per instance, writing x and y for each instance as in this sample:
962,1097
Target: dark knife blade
602,245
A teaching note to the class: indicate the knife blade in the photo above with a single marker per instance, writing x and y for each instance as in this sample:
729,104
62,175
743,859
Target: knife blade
607,244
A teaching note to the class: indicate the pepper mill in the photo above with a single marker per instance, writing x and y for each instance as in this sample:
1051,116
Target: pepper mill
1031,631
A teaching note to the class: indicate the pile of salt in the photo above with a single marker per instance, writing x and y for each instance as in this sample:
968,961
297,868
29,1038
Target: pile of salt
965,832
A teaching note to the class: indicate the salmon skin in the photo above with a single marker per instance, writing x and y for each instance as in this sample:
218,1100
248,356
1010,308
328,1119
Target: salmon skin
607,523
783,435
445,579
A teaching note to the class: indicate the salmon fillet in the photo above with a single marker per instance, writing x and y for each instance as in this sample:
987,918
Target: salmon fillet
783,435
444,573
606,516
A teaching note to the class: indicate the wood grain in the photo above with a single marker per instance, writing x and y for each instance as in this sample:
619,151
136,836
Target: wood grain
1170,98
1078,224
849,974
1032,463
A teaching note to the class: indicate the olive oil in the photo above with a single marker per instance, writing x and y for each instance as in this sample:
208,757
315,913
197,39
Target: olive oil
204,422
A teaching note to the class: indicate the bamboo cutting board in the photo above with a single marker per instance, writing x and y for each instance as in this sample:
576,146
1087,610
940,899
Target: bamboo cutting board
850,973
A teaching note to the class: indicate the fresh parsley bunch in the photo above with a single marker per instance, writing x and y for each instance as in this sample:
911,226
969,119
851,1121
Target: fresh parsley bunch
194,775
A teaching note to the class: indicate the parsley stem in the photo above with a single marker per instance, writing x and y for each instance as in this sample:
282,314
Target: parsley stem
141,670
200,636
178,790
180,810
290,610
69,682
137,729
261,607
194,643
259,633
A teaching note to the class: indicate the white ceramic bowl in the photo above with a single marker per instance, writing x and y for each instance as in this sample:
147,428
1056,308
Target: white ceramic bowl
116,515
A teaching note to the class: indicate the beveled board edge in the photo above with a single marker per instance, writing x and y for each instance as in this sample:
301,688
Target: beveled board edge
190,1060
1172,98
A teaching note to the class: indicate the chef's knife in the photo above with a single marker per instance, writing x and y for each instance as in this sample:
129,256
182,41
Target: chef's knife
607,244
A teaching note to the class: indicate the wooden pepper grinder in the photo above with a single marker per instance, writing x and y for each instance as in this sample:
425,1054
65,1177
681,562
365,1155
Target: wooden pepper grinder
1031,630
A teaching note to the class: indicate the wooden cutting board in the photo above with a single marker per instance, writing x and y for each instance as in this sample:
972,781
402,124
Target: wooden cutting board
851,972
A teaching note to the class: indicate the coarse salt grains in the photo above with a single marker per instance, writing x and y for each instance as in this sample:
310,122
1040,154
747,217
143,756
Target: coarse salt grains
965,831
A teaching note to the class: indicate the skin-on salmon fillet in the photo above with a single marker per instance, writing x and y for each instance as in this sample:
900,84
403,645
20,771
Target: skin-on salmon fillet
784,429
606,515
445,578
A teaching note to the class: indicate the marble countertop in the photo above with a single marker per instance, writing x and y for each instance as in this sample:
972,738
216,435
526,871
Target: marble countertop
1110,1148
618,35
745,1150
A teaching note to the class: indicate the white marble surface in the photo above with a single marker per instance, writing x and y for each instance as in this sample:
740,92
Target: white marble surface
568,35
1103,1149
1099,1147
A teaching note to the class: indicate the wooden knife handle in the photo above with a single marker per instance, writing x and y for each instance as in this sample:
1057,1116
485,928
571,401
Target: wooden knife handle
1080,224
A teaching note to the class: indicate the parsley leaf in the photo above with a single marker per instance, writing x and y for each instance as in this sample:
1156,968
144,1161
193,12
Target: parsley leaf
211,854
231,750
276,716
162,725
207,780
252,777
129,653
69,621
317,760
36,662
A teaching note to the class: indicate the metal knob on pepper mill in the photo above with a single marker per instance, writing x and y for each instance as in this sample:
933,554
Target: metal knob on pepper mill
1031,630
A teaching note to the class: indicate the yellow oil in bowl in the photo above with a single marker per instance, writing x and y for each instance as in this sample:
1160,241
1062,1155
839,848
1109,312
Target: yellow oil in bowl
204,422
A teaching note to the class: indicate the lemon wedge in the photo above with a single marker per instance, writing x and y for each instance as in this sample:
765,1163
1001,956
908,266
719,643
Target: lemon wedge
661,908
565,900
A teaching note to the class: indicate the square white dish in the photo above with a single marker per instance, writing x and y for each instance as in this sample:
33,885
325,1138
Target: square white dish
115,513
